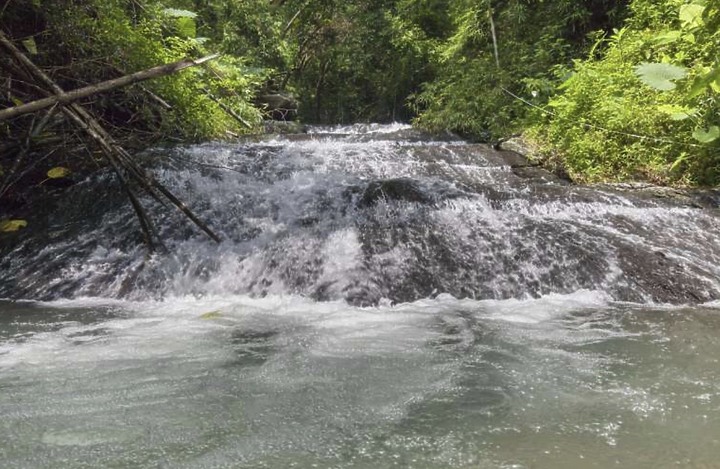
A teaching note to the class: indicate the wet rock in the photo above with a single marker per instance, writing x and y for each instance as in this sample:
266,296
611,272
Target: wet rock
393,189
520,145
698,198
538,175
708,198
514,160
657,277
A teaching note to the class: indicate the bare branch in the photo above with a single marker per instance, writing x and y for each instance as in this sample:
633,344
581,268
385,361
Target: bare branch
71,96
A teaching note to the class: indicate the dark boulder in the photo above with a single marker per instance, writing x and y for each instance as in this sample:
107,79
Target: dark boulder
393,189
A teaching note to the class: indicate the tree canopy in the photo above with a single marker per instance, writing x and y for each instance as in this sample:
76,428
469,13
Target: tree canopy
609,89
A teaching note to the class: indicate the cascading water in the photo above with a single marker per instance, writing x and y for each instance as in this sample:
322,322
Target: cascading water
379,299
369,216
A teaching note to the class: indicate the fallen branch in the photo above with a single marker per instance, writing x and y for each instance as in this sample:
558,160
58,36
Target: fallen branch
118,157
65,98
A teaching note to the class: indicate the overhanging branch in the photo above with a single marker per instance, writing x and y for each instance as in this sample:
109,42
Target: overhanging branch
80,93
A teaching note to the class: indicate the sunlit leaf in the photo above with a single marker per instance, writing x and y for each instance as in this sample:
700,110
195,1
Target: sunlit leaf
678,161
8,226
707,135
681,116
677,112
58,172
670,108
660,75
211,315
175,13
691,15
667,37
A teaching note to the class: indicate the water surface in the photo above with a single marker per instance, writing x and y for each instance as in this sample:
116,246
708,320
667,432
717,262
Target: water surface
379,300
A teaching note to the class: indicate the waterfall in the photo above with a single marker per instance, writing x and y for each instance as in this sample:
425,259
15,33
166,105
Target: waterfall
379,299
364,214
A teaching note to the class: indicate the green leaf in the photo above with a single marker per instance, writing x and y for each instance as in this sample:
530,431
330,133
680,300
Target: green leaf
668,37
702,82
8,226
660,75
30,45
211,315
691,15
681,116
58,172
677,112
678,161
175,13
707,135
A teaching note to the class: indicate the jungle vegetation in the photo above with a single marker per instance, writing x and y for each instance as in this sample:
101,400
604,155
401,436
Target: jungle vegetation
608,90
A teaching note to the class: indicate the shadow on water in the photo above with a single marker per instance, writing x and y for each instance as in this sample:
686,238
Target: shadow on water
22,319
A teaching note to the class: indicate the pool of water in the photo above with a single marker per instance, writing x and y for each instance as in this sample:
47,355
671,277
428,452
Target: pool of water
564,381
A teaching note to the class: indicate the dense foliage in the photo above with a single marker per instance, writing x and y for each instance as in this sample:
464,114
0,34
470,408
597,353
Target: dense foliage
645,107
628,88
82,42
495,47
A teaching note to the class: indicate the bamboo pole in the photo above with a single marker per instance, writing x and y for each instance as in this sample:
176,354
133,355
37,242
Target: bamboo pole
494,37
65,98
117,156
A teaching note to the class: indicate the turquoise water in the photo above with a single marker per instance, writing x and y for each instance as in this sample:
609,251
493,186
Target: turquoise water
558,382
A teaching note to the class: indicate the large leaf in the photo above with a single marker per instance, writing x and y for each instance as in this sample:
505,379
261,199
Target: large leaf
660,75
677,112
667,37
175,13
8,226
691,15
707,135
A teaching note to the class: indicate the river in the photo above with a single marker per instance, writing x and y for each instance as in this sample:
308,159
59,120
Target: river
380,299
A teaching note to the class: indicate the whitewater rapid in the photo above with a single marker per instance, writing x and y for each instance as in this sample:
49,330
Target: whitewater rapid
380,299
